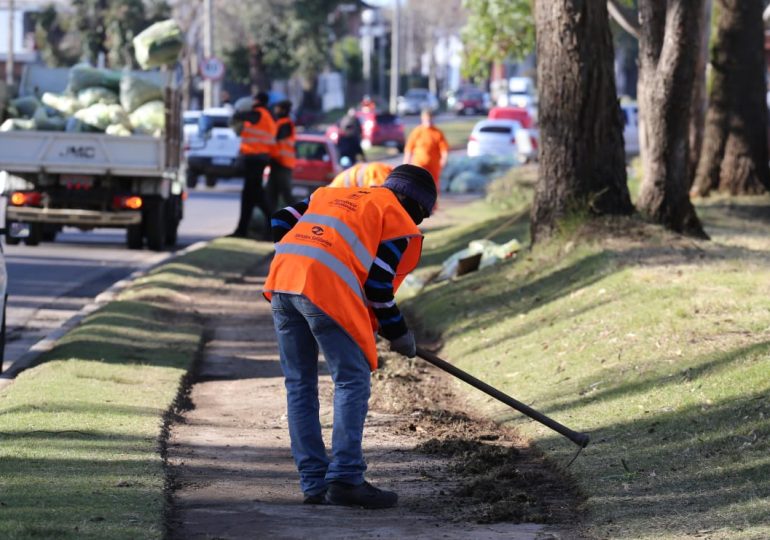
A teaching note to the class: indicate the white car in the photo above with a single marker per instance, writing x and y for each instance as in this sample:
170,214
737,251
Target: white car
214,150
190,121
630,128
415,100
501,138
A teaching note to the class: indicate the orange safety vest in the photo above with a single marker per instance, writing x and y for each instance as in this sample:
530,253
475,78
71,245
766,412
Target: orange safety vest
327,255
284,153
362,175
259,138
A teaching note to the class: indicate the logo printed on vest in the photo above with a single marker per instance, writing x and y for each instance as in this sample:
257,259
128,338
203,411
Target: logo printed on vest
318,230
358,194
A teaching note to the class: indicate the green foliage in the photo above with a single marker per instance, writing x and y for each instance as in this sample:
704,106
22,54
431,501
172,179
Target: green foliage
496,30
346,54
94,27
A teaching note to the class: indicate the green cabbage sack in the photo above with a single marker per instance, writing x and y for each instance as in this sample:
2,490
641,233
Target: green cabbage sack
66,105
118,130
149,119
159,44
24,107
100,116
135,92
84,76
43,122
97,94
18,124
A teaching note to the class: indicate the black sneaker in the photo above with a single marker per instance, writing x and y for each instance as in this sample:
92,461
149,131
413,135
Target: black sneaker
364,495
318,498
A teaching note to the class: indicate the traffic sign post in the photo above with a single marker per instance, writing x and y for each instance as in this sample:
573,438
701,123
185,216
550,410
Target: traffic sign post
212,69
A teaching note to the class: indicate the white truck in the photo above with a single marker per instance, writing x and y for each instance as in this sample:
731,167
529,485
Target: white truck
92,180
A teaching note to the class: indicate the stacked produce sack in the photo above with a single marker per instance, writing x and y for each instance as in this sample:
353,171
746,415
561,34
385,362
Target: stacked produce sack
105,100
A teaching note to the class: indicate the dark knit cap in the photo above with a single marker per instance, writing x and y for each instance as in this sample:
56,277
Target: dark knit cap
414,182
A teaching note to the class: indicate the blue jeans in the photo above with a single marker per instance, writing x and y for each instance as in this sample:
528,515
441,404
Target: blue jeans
301,327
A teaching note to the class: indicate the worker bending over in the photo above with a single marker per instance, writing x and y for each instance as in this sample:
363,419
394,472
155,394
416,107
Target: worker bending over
339,259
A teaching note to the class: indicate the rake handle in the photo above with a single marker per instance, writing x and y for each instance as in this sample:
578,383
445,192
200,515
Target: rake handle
580,439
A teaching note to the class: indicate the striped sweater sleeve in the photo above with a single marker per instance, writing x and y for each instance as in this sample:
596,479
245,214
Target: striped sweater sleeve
379,288
284,219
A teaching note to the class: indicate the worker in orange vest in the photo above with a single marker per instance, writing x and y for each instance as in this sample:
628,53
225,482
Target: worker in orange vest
340,255
362,175
257,131
427,147
284,156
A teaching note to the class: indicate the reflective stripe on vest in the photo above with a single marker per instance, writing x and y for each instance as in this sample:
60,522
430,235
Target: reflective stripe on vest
355,243
328,260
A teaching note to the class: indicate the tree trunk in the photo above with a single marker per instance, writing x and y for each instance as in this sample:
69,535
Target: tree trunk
735,150
667,50
699,104
582,163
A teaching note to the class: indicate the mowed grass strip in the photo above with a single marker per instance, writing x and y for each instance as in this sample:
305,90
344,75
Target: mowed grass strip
656,345
80,452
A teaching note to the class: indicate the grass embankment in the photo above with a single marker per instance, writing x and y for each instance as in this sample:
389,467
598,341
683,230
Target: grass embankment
79,433
656,345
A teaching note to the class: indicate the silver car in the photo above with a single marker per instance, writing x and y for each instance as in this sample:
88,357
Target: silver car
415,100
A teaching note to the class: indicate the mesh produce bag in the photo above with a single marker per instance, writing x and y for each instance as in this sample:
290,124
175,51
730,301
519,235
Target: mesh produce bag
66,105
84,76
159,44
149,118
97,94
135,92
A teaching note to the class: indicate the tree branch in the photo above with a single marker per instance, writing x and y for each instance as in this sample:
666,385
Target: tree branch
624,17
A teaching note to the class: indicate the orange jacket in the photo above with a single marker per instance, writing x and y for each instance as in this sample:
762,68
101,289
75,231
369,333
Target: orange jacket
259,138
284,153
426,144
327,255
362,175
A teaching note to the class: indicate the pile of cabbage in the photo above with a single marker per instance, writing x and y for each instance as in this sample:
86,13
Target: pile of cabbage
120,103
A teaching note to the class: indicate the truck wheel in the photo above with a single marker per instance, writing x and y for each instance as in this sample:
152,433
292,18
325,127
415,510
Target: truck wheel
192,178
10,240
49,233
134,237
211,181
154,224
35,234
173,216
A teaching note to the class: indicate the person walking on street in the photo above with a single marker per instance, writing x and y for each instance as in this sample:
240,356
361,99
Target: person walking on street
349,145
340,255
284,157
257,131
363,175
427,147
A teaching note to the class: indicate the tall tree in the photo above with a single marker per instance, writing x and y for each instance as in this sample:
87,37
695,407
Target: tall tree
582,162
668,47
496,30
735,148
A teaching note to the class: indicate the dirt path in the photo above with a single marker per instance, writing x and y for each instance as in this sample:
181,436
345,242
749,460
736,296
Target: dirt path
231,470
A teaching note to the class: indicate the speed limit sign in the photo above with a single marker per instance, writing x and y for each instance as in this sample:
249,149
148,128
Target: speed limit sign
212,68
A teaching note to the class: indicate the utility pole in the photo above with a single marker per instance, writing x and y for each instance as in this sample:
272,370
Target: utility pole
395,56
9,58
210,88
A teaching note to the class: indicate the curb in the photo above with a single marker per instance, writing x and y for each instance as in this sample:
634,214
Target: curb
29,359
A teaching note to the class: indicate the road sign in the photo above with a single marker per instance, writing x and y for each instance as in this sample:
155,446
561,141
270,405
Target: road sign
212,68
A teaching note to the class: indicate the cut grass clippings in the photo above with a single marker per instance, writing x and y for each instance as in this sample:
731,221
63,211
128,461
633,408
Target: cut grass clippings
81,433
657,345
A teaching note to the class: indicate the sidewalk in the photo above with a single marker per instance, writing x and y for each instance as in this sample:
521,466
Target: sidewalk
229,460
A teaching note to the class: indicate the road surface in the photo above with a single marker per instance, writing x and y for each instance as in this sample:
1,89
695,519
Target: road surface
49,283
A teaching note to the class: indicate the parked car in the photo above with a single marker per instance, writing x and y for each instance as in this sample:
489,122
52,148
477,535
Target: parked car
468,101
501,138
415,100
377,129
317,163
526,117
630,128
190,121
214,150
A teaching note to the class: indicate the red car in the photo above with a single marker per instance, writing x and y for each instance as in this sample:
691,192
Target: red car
520,114
317,164
377,129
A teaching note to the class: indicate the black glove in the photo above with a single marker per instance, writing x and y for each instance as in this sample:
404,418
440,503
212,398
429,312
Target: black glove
405,345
